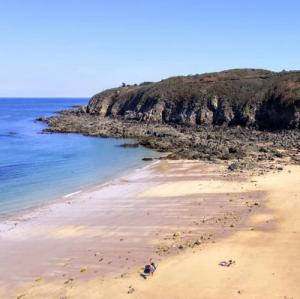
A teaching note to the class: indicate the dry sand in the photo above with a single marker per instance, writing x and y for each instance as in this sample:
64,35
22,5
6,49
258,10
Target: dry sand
253,220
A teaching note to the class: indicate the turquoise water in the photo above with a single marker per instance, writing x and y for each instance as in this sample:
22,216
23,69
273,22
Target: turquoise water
35,167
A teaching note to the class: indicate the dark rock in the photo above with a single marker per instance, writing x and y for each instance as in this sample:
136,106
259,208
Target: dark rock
147,159
233,166
41,119
233,150
129,145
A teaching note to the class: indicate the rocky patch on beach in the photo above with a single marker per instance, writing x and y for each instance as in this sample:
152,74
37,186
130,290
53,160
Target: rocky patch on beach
246,118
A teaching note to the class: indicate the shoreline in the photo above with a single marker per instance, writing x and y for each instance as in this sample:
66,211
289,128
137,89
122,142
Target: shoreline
64,227
25,211
27,221
169,211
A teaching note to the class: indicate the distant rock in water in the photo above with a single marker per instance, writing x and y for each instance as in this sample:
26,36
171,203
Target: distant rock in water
129,145
244,97
147,159
41,119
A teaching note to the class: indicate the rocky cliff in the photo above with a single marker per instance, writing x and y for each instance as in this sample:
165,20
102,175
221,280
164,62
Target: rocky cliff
245,118
245,97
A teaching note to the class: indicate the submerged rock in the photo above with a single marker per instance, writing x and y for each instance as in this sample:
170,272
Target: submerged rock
129,145
147,159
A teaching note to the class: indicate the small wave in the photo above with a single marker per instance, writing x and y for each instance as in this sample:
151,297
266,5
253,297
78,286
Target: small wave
72,194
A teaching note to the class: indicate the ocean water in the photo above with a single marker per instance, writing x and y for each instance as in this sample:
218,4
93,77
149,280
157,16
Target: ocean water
36,167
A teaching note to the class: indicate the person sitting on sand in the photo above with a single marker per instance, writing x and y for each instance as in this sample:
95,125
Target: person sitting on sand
149,268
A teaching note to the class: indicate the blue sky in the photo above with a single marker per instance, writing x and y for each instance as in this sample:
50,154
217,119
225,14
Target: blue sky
77,48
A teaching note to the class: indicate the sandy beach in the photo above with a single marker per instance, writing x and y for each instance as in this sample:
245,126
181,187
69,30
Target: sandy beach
186,215
150,150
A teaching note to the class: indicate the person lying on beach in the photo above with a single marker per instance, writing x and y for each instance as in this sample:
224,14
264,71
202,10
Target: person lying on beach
226,264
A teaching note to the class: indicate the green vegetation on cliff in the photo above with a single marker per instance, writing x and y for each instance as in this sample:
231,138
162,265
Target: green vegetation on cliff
246,97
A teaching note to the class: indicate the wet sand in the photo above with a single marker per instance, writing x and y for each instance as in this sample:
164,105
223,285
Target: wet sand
187,215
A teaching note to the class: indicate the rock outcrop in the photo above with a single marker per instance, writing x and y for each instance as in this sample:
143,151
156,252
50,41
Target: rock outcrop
245,118
245,97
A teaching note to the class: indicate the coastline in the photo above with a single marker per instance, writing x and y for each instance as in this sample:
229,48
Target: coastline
124,223
24,211
25,224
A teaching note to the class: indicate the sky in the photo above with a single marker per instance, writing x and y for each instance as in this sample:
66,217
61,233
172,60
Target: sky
64,48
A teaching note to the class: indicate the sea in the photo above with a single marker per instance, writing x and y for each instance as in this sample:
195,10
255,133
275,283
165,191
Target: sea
37,167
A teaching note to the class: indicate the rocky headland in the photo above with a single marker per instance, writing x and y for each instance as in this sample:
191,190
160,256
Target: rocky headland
245,117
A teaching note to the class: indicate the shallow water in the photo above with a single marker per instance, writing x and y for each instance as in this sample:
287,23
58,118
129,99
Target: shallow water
37,167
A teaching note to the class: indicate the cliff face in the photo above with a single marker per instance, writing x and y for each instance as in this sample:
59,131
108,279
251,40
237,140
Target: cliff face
201,117
245,97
